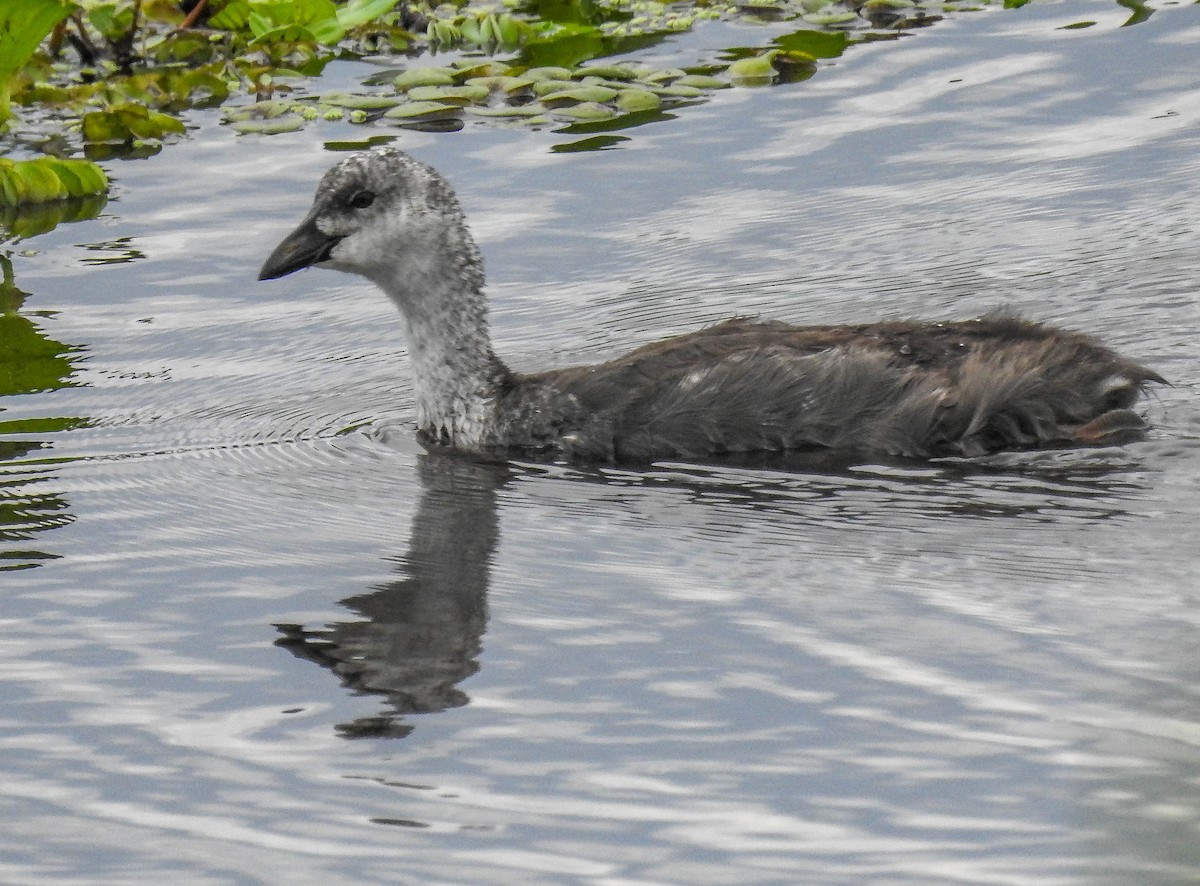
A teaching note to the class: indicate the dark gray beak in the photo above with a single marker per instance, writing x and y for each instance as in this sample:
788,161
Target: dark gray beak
301,248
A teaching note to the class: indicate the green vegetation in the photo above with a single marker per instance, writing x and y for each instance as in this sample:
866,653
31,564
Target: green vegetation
116,78
47,179
23,26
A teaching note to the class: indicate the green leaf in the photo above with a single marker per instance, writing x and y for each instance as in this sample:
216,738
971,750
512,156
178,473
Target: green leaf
818,44
422,109
757,70
424,77
586,111
577,95
361,102
359,12
23,26
274,126
701,81
46,179
259,26
121,124
113,20
638,100
233,16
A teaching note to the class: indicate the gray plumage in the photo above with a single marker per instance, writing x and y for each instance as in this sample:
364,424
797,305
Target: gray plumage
742,386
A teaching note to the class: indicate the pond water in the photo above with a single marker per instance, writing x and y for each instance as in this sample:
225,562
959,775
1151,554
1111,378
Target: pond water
263,638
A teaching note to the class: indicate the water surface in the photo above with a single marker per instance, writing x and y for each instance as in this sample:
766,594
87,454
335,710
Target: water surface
263,638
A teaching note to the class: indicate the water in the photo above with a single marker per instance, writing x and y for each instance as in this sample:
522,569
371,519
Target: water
258,643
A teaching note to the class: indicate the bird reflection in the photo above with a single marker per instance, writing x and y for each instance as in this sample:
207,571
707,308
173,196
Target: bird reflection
420,635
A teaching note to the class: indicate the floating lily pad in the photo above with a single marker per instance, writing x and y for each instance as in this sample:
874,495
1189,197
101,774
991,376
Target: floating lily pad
422,109
456,95
679,90
501,83
701,82
264,110
586,111
757,70
638,100
424,77
121,124
548,73
360,102
816,44
251,46
468,68
831,18
608,72
666,75
549,87
579,95
273,126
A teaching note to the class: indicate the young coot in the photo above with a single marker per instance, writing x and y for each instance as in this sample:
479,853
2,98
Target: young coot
743,386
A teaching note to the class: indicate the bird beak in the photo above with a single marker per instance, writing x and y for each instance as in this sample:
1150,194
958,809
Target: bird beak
303,247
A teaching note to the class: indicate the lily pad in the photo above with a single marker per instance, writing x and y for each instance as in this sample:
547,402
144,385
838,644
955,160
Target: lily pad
579,95
830,18
549,87
816,44
422,110
469,68
258,111
501,83
638,100
679,90
424,77
701,82
548,72
757,70
608,72
666,75
122,124
450,95
273,126
586,111
360,102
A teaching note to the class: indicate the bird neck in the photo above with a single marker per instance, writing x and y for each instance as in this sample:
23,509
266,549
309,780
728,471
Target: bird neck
457,375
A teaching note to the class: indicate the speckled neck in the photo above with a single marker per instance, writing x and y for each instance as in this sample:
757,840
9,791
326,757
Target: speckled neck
457,375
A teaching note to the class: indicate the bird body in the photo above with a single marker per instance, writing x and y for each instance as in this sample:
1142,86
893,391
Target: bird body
742,386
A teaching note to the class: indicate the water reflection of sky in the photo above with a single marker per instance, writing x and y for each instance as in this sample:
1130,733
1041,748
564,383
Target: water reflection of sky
830,674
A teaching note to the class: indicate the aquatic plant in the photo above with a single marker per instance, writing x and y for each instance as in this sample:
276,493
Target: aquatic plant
48,179
23,26
116,75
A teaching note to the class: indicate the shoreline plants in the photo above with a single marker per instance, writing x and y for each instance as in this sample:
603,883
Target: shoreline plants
114,79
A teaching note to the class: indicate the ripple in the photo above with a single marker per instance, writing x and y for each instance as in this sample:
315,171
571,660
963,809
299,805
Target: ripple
822,671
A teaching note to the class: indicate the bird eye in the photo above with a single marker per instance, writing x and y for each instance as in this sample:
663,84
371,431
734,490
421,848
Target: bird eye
362,199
